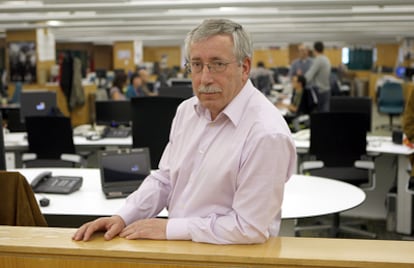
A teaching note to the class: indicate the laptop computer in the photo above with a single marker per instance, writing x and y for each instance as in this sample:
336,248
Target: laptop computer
123,171
37,102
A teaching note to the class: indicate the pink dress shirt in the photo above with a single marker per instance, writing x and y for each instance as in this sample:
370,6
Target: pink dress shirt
222,181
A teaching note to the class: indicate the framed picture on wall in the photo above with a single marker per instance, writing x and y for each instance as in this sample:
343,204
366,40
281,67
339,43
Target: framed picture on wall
22,61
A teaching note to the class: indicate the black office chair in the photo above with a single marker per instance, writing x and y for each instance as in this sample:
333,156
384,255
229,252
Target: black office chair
151,123
263,83
50,141
338,151
347,104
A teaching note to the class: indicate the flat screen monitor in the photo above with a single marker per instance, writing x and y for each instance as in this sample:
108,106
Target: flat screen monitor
184,92
113,112
400,72
181,82
100,73
37,102
409,73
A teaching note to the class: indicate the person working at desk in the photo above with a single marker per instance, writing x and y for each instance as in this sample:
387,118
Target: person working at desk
135,87
302,102
230,152
116,91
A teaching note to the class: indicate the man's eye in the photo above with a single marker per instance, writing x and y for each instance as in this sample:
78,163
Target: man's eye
195,64
219,64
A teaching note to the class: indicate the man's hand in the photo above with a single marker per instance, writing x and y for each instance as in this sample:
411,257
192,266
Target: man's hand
112,225
147,228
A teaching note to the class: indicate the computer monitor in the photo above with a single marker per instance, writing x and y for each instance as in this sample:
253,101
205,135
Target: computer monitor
176,91
113,112
181,82
100,73
400,72
37,102
409,73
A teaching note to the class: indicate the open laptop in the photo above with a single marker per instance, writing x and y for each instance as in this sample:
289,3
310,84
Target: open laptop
123,171
37,102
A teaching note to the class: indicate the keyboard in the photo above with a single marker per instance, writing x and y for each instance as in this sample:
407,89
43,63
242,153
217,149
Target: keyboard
111,132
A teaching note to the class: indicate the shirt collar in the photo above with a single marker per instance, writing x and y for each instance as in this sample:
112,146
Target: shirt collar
235,109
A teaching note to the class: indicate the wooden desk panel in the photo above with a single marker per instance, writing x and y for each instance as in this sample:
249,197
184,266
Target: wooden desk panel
53,247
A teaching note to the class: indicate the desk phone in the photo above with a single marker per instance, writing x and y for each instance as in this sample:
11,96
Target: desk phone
46,183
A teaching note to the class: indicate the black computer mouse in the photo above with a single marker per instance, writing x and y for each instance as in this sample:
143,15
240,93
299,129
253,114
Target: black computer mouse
44,202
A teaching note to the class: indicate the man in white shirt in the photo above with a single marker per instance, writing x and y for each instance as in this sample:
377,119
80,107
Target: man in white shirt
230,152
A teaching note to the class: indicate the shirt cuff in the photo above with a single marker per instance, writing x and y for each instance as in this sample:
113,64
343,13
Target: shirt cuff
177,229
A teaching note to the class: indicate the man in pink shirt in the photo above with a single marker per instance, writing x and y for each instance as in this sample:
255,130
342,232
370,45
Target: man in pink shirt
230,152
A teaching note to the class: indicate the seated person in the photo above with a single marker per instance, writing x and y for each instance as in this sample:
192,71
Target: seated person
135,87
302,102
116,91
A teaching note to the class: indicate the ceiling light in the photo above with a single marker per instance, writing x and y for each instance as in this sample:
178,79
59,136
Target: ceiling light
54,23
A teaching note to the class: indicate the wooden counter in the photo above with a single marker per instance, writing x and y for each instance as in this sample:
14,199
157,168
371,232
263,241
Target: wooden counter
53,247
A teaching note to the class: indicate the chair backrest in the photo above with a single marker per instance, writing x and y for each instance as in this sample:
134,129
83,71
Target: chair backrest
151,123
263,83
19,205
391,94
17,93
49,136
347,104
337,139
2,147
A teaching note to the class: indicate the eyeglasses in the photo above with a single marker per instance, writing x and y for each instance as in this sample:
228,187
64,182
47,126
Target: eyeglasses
213,67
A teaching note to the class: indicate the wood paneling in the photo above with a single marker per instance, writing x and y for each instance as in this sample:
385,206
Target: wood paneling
387,55
120,56
53,247
103,57
334,55
155,54
275,57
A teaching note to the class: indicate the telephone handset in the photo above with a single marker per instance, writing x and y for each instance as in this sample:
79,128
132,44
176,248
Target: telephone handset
46,183
40,178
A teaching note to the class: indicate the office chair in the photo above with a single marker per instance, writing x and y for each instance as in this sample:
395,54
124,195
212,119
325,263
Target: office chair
263,83
50,141
19,205
347,104
151,123
17,93
390,101
338,151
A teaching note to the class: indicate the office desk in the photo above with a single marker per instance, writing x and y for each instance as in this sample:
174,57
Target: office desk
17,141
305,196
384,145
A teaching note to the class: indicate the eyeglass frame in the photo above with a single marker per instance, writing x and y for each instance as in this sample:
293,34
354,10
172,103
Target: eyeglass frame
210,68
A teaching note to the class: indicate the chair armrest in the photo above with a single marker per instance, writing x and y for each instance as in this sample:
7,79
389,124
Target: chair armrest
370,166
71,158
309,165
365,164
28,157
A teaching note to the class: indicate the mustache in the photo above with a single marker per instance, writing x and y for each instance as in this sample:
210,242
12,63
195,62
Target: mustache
209,89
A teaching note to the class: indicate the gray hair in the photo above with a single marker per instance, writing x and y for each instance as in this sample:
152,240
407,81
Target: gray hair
242,43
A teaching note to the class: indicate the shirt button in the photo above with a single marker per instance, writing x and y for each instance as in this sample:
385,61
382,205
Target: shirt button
201,151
